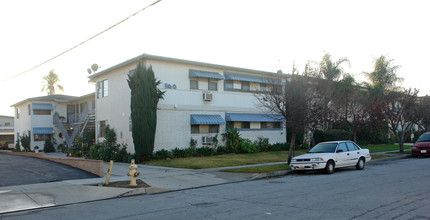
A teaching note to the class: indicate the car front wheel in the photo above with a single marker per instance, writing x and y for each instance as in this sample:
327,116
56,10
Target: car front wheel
329,167
360,164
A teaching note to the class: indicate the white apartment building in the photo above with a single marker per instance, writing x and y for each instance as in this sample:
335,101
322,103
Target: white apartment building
60,117
6,130
200,101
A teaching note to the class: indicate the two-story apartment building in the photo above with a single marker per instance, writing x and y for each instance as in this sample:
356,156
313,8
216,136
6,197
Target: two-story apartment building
60,117
200,102
6,130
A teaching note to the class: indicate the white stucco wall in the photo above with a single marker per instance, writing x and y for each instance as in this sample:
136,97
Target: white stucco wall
173,116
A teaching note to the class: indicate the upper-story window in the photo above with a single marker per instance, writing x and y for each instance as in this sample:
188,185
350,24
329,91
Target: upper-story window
41,112
247,83
29,109
204,80
102,88
194,84
17,112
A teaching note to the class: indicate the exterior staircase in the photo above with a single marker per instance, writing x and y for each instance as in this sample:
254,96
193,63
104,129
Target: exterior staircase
75,125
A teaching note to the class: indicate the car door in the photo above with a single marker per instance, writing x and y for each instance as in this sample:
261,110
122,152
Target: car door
342,155
354,153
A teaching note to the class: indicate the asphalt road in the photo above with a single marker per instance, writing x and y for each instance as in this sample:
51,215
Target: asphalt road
20,170
394,189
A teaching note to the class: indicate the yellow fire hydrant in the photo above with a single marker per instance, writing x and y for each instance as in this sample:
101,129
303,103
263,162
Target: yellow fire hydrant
133,173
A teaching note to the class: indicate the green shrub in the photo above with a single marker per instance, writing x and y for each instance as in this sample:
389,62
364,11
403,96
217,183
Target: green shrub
224,150
182,152
25,141
205,151
232,139
161,155
48,147
246,146
279,146
331,135
110,135
262,144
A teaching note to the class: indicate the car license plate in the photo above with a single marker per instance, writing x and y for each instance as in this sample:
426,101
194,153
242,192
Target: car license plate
301,165
423,151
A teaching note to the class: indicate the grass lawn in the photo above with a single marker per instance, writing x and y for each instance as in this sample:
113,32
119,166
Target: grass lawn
224,160
259,169
384,147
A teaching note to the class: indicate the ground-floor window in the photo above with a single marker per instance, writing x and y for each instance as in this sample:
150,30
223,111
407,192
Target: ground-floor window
196,129
102,128
42,137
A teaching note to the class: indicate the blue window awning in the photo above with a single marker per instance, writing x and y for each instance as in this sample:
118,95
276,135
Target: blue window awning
253,117
207,120
44,130
243,77
205,74
42,106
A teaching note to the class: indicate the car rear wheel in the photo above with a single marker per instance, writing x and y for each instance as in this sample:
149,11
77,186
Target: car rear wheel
329,167
360,164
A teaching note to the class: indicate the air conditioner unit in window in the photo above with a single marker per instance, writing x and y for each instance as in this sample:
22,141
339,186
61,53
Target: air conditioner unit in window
207,96
207,140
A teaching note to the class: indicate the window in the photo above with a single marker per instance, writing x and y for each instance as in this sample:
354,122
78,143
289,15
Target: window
245,86
265,125
195,129
17,111
351,146
229,84
342,148
213,85
194,84
41,112
130,124
230,124
277,125
29,109
42,137
263,87
271,125
102,127
246,124
213,128
102,89
7,124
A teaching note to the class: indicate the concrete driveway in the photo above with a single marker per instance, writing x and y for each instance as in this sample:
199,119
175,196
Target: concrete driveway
20,170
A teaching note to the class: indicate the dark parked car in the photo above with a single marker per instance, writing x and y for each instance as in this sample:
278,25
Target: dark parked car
422,146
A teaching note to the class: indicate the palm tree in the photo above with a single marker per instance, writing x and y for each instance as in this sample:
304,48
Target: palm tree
51,82
331,70
384,74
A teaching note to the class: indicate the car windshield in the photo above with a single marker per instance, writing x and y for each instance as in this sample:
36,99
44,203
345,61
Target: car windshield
424,138
323,148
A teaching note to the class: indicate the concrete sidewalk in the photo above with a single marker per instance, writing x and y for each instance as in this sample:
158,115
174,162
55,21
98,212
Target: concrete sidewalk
161,179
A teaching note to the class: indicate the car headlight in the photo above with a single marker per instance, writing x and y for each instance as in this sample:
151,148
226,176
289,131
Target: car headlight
293,160
414,148
317,159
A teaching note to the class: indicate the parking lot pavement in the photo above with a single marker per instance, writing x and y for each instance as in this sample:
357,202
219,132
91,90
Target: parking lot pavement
20,170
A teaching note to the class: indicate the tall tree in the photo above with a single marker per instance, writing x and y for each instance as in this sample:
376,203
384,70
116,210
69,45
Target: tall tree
423,112
289,100
384,74
401,113
50,82
144,100
330,70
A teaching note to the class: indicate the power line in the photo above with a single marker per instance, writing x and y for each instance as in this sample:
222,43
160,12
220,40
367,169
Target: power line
83,42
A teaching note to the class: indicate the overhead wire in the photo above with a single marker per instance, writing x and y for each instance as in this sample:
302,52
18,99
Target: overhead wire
83,42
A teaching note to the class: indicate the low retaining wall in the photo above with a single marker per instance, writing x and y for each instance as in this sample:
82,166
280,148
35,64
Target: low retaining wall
92,166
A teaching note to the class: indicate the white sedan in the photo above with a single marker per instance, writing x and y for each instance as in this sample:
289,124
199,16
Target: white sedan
330,155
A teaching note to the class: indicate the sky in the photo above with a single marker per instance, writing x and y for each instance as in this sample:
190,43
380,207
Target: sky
266,35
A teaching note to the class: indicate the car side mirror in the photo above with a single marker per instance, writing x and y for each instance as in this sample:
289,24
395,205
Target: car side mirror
339,151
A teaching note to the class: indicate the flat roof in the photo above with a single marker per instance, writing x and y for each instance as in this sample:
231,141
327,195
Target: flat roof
55,98
175,60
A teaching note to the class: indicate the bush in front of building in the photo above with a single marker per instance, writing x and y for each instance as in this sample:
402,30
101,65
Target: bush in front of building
182,152
161,155
246,146
106,152
331,135
25,141
48,146
205,151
